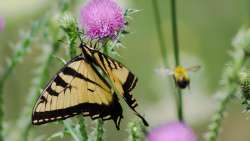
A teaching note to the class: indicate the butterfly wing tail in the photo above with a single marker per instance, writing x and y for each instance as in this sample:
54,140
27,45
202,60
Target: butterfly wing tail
142,118
128,97
128,86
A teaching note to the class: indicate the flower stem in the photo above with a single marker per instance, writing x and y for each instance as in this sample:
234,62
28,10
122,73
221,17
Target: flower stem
99,130
214,127
137,131
159,29
176,57
67,124
175,32
72,47
180,105
83,130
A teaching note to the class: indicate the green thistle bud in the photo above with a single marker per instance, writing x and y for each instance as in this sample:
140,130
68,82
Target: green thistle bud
242,40
245,89
68,23
137,131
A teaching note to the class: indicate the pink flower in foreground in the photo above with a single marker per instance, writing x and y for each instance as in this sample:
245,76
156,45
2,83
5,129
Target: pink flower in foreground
2,23
101,18
175,131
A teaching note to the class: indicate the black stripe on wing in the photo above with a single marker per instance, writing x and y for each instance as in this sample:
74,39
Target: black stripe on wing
95,111
70,72
128,85
112,111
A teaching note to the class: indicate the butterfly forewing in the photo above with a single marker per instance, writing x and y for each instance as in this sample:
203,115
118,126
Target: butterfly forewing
77,89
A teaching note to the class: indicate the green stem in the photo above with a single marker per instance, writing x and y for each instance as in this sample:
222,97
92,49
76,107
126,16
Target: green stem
83,130
159,29
67,124
219,116
176,56
179,105
175,32
137,131
134,133
99,130
72,47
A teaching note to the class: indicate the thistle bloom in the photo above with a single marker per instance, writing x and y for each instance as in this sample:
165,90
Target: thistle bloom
175,131
101,18
2,24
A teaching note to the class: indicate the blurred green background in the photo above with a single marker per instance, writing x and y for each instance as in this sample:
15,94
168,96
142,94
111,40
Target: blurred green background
206,29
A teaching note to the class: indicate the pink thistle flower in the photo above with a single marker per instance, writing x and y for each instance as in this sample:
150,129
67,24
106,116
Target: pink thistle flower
175,131
102,18
2,24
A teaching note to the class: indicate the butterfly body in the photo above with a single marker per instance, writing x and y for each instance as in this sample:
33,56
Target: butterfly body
79,88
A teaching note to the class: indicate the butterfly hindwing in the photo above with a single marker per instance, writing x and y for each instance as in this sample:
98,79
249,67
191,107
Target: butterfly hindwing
122,78
77,89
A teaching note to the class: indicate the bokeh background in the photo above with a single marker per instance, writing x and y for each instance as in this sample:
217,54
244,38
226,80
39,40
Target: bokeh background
206,29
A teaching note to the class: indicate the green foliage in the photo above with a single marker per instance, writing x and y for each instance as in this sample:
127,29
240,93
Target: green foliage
52,35
21,50
230,79
245,89
137,131
66,29
76,131
69,25
99,130
83,129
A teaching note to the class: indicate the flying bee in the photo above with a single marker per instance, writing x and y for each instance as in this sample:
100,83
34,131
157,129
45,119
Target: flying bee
180,75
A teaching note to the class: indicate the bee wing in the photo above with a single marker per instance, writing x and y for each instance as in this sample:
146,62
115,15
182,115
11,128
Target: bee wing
164,71
194,68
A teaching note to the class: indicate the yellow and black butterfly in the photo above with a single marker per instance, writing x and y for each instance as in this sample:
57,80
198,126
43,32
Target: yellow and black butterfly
180,75
79,88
